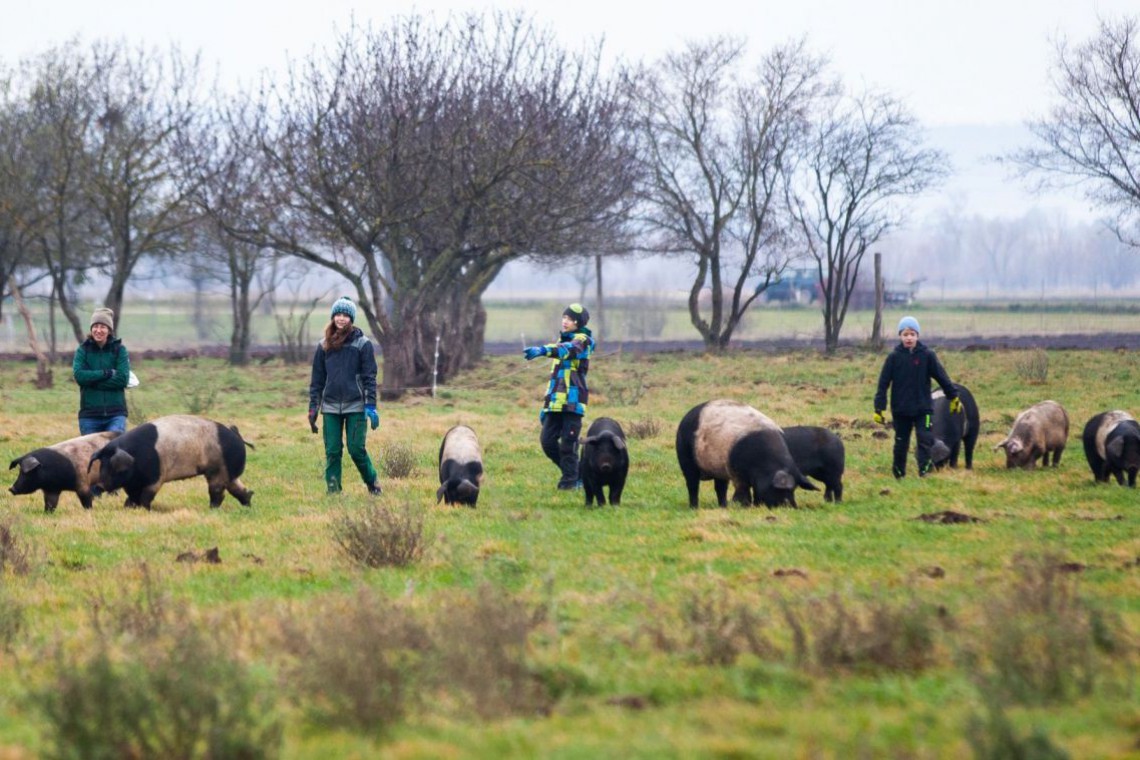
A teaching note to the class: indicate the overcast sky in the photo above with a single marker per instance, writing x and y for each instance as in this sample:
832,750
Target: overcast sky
963,63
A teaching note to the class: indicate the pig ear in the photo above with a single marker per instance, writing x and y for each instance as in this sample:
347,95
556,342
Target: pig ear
1115,447
619,443
14,462
439,494
120,461
28,464
589,439
1003,445
805,484
783,480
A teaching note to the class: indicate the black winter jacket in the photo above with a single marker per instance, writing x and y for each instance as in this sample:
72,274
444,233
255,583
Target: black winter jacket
344,381
908,373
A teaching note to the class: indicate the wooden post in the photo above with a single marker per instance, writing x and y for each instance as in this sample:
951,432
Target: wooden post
877,327
43,368
600,306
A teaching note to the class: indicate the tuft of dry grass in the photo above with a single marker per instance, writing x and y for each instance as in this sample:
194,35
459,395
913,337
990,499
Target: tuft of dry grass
380,536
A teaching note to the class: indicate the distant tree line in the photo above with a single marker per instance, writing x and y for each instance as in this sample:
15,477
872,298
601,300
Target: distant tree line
416,160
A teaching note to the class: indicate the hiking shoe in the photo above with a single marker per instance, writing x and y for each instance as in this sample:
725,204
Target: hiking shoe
375,489
569,485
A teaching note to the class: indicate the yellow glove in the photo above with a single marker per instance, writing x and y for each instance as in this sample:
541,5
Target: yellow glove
879,418
955,405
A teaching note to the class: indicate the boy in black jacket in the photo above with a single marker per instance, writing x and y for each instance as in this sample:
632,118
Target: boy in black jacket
908,371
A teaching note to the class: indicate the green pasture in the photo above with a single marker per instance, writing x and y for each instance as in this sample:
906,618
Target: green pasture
649,630
176,322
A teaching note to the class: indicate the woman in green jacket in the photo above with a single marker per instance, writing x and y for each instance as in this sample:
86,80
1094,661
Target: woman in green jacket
102,370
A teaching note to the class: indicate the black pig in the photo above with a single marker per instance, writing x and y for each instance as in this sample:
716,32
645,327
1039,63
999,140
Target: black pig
605,461
58,468
954,432
819,454
762,463
1112,446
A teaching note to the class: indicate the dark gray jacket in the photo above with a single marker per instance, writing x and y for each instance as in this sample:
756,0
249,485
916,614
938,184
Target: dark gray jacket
344,381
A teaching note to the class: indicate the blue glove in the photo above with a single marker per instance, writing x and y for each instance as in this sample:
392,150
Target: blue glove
534,352
542,416
373,415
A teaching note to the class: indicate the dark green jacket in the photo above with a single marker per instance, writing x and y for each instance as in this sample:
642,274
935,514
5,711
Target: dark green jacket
100,394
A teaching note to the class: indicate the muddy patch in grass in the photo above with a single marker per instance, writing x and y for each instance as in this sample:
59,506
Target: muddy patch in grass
948,517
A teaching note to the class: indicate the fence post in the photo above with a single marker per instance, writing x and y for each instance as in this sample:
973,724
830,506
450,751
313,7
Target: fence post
435,367
877,327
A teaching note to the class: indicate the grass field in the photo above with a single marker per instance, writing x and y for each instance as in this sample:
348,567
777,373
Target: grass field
534,627
171,324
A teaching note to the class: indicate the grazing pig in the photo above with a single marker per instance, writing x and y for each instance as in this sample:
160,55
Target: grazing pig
460,467
954,432
605,461
170,448
762,468
58,468
706,437
1040,429
819,454
1112,446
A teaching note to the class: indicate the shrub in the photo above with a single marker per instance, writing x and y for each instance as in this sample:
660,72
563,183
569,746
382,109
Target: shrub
175,692
15,556
482,642
398,460
1040,642
1033,366
720,629
629,389
994,737
201,392
643,429
11,619
381,537
881,635
356,665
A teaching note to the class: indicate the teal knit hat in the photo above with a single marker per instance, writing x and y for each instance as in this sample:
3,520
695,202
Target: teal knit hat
344,305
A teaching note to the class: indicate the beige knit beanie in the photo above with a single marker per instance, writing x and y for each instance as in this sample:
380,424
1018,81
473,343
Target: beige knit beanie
104,316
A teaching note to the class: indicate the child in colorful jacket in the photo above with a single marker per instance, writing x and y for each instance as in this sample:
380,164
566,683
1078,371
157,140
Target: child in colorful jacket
343,388
567,394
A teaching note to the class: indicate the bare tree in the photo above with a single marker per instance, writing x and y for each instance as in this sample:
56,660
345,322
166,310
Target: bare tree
19,222
1091,137
863,158
717,144
417,161
142,101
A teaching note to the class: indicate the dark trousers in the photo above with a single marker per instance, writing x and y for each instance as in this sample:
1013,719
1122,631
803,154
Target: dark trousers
924,439
560,431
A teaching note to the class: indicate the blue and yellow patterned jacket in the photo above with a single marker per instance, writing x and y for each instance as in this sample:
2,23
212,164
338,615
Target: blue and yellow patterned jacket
568,391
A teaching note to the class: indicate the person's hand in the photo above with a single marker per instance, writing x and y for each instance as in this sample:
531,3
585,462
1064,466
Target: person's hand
534,352
313,418
108,374
879,418
373,415
542,416
955,405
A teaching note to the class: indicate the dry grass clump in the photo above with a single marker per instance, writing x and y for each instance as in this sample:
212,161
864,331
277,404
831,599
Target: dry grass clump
380,536
15,556
1039,640
1032,367
398,460
643,429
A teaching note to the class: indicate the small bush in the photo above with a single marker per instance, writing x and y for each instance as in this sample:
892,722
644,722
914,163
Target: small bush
720,629
882,635
15,556
1040,642
176,692
1033,366
994,738
11,619
643,429
201,393
482,644
143,613
381,537
356,665
398,460
628,390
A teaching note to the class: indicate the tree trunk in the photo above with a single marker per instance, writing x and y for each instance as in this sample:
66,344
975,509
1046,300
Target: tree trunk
242,314
44,377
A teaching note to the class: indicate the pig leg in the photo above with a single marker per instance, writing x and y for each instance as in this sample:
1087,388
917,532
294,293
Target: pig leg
51,500
238,490
721,488
615,494
1057,455
85,498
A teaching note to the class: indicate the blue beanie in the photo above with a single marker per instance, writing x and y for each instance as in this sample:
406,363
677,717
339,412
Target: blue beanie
344,305
908,323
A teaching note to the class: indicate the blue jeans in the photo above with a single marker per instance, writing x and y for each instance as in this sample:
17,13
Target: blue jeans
88,425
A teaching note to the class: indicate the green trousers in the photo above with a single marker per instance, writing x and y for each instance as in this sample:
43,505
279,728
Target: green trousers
353,427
